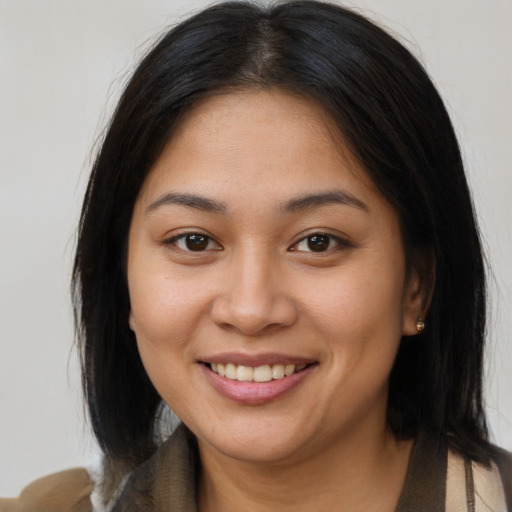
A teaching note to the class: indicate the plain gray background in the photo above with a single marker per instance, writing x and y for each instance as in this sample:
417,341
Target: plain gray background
62,63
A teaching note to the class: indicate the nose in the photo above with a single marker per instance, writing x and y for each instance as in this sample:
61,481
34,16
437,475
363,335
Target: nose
253,298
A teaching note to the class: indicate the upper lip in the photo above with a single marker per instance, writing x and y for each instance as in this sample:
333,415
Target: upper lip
256,360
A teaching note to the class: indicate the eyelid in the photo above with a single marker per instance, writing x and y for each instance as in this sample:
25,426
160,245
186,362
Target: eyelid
341,242
175,238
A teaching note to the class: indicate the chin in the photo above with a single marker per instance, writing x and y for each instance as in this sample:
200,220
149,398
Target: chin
256,443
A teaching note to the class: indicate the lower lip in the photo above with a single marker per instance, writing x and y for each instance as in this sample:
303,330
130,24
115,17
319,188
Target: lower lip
254,393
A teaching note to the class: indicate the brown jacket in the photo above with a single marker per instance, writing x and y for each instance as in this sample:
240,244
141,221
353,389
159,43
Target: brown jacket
67,491
438,480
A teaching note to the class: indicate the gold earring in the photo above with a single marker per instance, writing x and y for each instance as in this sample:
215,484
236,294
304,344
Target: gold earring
420,324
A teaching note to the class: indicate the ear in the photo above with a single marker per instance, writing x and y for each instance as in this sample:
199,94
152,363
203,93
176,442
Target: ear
131,321
418,293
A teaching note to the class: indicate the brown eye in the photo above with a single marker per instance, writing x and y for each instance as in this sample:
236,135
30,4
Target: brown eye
318,243
196,242
193,242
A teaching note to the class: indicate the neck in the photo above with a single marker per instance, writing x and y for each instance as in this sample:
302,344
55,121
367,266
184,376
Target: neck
357,472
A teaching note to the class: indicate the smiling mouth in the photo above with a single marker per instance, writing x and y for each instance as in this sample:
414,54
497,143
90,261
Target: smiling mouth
264,373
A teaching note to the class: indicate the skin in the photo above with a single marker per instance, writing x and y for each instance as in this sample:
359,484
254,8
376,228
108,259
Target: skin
257,288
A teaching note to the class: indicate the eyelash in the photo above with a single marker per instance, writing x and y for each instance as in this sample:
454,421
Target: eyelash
183,238
203,243
333,243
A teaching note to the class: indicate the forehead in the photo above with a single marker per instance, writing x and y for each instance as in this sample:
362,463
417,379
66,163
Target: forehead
259,141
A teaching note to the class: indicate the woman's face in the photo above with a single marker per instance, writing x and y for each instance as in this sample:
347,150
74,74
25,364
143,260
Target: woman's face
267,280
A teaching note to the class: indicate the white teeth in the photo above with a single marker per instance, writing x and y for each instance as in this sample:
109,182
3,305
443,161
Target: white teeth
231,371
277,371
289,369
263,373
244,373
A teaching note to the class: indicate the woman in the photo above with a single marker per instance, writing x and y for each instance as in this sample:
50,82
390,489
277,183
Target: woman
278,243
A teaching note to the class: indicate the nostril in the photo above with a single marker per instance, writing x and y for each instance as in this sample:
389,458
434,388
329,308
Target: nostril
253,315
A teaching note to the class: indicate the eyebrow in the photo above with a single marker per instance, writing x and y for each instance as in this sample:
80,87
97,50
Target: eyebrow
301,203
199,203
315,200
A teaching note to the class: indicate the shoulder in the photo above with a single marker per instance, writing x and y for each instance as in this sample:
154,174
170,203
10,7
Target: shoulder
65,491
168,477
482,486
442,479
503,462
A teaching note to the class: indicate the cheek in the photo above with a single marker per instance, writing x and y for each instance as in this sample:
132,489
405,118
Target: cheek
165,315
361,319
162,310
360,315
165,304
369,303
